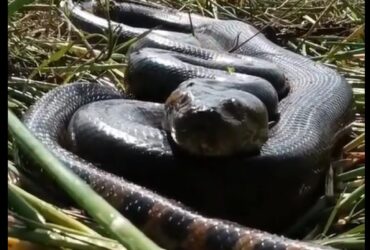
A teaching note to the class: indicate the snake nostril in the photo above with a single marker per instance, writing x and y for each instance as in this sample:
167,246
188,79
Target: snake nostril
177,99
182,99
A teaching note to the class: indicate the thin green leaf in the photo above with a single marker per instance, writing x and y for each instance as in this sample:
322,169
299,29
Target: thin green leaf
52,213
21,206
118,226
15,5
53,58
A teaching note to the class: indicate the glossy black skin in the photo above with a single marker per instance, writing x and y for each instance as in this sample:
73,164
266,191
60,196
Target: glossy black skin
169,223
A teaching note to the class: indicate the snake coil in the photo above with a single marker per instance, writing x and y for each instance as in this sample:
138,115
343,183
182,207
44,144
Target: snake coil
268,190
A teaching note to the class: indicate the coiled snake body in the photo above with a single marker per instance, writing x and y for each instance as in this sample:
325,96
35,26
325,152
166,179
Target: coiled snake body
267,190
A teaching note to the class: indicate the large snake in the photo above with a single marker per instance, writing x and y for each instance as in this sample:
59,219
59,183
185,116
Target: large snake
267,188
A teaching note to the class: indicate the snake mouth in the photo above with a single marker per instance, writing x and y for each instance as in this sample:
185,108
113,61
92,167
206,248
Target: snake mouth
200,132
209,133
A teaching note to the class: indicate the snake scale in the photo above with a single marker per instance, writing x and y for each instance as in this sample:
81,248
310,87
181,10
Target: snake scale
268,190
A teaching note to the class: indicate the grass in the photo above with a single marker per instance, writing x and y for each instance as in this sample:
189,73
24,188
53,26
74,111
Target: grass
46,50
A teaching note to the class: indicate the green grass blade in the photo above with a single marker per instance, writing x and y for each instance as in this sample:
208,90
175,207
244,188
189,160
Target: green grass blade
51,213
21,206
346,203
349,242
58,239
53,58
114,223
352,174
15,5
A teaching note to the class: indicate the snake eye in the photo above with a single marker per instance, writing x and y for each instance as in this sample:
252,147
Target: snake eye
190,84
234,108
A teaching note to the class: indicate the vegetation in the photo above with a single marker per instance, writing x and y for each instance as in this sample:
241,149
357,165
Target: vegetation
46,50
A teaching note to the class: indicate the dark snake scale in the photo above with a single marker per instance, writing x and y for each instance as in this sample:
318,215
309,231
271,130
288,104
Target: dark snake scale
116,135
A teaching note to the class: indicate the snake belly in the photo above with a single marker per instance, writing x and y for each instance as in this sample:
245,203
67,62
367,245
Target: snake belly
264,191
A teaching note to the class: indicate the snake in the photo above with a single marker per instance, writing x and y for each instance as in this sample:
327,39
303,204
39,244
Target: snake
191,181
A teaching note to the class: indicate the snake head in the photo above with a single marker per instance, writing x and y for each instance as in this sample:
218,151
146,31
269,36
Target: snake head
207,121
